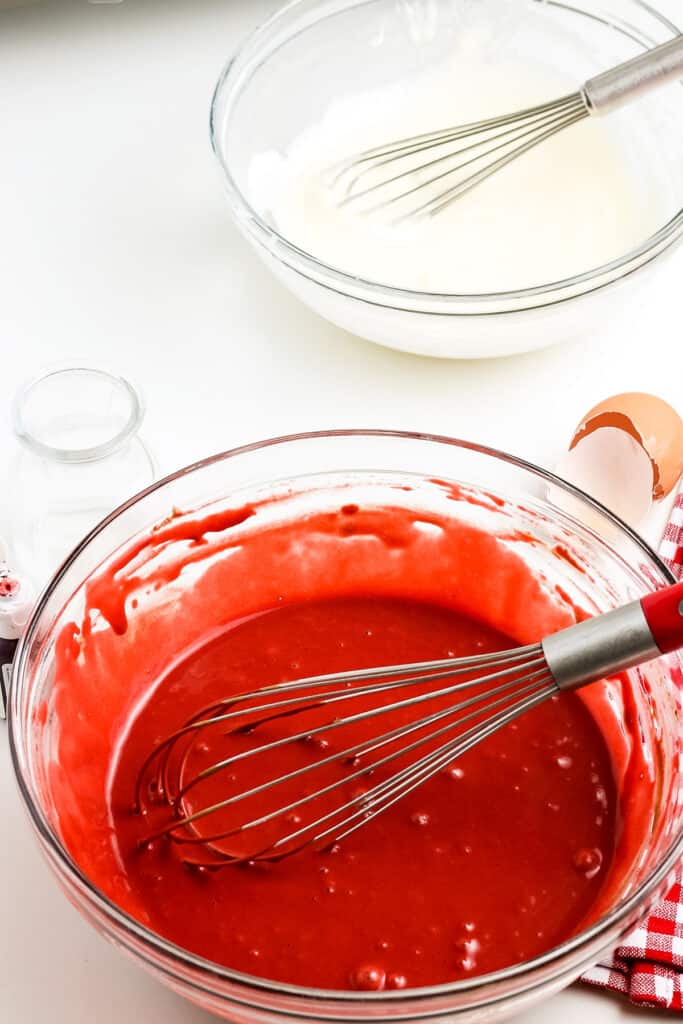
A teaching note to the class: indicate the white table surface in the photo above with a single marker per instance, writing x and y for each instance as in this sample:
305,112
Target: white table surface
116,244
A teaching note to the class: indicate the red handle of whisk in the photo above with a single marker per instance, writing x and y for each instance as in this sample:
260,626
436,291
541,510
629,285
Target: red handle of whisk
616,640
663,611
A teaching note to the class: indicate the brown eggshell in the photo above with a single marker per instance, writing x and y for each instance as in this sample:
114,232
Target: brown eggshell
653,423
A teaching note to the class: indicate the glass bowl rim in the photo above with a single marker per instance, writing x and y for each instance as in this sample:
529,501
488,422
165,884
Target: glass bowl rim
552,293
184,958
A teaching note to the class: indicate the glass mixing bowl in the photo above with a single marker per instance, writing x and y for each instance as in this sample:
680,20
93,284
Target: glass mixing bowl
315,51
622,568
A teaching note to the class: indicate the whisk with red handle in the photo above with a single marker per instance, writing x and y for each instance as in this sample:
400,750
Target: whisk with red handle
217,787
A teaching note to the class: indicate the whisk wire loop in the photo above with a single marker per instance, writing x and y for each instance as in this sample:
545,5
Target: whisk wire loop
362,808
509,681
355,180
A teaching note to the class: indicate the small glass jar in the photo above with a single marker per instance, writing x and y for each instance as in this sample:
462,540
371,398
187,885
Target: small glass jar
80,457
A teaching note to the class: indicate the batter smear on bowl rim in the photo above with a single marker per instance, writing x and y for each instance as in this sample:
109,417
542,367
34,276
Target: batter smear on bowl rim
500,857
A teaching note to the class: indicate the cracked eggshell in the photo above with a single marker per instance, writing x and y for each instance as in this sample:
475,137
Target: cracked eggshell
627,451
652,423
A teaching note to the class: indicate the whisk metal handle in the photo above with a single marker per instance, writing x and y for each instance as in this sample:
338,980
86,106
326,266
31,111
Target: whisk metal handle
617,640
620,85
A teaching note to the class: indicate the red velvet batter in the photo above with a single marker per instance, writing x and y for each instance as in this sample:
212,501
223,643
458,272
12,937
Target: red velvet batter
527,838
490,863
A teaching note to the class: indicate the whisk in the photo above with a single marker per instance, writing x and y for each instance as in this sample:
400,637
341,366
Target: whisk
306,786
423,175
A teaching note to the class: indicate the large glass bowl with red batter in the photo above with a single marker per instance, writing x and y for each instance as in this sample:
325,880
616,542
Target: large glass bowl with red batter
574,564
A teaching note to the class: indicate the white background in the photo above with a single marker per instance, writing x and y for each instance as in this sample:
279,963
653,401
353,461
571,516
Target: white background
116,244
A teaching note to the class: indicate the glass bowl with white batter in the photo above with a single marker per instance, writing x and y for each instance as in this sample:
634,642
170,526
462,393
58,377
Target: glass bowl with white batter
539,254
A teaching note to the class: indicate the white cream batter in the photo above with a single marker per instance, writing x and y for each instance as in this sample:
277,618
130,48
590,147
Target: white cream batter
576,202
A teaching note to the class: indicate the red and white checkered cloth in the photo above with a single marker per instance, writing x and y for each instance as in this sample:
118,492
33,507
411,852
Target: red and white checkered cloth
671,548
648,966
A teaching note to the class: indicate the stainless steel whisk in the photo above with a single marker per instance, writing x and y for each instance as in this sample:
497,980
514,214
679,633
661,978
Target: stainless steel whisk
424,174
484,693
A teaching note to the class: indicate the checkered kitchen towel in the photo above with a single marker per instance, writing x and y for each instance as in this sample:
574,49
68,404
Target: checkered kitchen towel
671,550
648,966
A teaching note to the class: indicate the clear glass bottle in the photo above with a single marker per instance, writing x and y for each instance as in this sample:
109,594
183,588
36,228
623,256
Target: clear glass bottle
80,456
